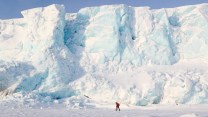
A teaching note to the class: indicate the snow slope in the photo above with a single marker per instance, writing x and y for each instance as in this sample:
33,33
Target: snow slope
134,55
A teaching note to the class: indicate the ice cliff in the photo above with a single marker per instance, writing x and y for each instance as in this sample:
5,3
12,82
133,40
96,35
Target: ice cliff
109,53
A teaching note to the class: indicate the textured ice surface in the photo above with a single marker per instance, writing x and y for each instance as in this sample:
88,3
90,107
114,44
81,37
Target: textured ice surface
134,55
139,35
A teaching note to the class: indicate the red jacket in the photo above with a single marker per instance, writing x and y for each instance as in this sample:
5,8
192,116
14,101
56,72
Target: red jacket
117,104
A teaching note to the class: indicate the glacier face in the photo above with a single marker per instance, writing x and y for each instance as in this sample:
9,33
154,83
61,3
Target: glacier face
108,53
140,35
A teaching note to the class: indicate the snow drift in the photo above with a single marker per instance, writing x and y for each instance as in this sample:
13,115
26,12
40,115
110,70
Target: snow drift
134,55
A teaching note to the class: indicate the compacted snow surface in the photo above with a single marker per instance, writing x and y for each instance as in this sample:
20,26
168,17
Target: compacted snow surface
134,55
107,111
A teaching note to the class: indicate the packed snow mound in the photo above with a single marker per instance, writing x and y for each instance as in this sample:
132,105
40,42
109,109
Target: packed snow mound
189,115
134,55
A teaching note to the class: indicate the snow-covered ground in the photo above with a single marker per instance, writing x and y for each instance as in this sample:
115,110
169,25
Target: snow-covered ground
52,62
13,110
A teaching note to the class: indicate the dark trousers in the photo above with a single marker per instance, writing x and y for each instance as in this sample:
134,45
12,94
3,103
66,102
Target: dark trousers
117,108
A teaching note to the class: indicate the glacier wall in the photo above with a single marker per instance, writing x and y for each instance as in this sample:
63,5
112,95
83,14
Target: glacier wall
40,45
139,35
104,51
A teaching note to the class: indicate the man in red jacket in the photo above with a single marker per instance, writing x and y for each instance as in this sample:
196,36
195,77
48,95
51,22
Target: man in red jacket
117,106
